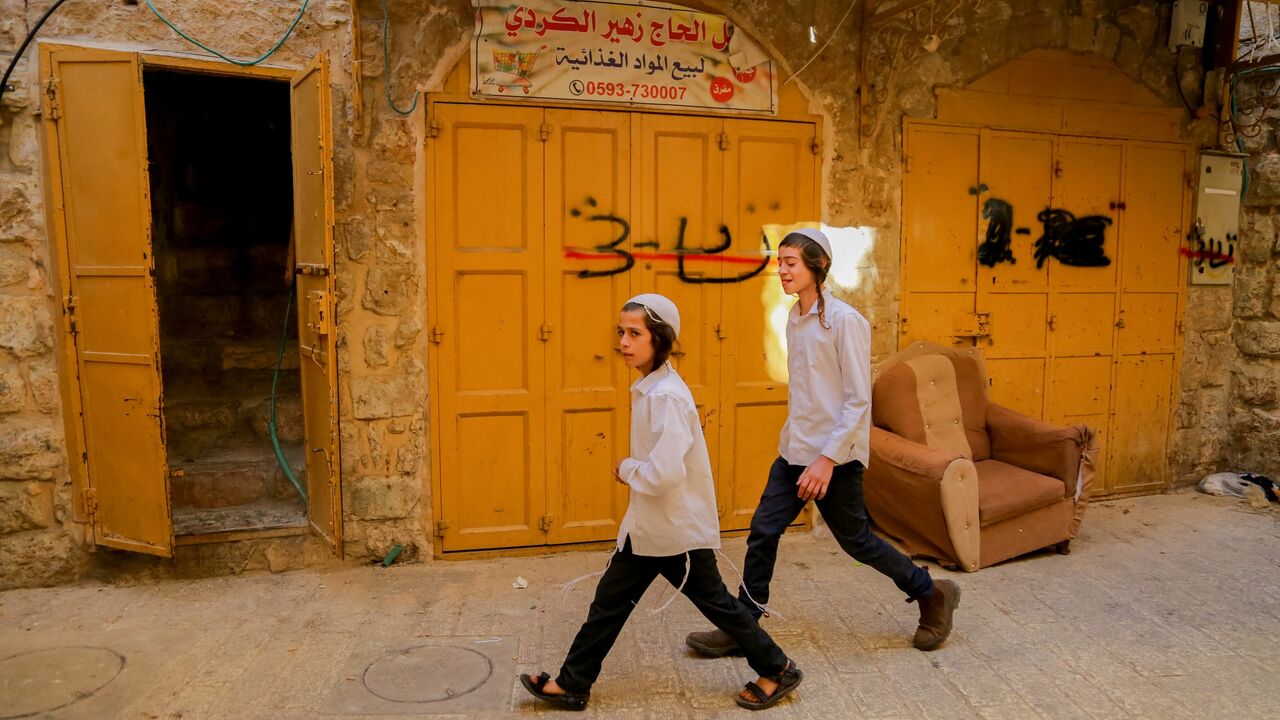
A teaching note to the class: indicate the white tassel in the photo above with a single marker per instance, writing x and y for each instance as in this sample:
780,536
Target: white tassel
676,594
743,584
574,582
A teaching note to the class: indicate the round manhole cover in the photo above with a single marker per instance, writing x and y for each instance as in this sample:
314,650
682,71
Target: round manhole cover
43,680
427,673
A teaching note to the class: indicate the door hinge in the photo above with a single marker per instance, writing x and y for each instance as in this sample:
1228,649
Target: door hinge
89,500
433,128
441,526
544,332
902,326
69,314
544,131
815,147
720,333
437,334
723,138
1182,326
1057,168
544,523
55,105
906,164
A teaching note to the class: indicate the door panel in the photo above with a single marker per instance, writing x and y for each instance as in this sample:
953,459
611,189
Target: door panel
489,308
104,198
1140,426
769,180
940,211
1086,185
684,153
588,206
1012,293
314,277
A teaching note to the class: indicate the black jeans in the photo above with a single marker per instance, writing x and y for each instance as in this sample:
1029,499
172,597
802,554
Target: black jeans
846,515
626,580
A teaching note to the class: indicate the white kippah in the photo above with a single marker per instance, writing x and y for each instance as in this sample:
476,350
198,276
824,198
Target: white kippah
817,236
663,308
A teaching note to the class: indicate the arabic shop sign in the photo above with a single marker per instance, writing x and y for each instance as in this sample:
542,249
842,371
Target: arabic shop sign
623,52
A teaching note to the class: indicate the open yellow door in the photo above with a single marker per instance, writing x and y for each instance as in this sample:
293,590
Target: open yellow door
101,191
313,273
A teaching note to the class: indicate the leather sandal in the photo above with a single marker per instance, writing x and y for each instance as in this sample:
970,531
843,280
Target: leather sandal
567,701
787,681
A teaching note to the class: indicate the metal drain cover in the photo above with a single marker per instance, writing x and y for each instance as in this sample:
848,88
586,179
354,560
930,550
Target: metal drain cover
427,673
44,680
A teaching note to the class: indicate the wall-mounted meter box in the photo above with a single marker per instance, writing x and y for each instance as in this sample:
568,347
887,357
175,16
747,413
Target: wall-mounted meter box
1214,236
1187,26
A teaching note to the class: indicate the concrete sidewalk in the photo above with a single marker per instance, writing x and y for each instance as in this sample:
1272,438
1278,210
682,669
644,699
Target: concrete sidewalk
1167,608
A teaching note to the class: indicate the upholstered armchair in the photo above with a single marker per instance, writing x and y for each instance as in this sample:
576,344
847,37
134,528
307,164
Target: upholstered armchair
960,479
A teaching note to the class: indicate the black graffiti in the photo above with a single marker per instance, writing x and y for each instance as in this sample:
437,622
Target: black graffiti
726,240
1211,254
628,260
998,247
1072,241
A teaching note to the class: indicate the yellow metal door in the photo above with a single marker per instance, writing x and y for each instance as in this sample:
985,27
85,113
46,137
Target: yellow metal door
769,179
588,215
939,255
1083,299
313,276
103,220
486,246
1151,287
1012,303
680,187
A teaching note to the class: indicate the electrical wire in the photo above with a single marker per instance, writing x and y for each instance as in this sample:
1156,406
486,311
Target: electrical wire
233,61
1234,110
386,65
271,420
824,45
31,34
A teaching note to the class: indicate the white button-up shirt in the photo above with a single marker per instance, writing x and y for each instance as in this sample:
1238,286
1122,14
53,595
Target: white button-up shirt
829,386
673,498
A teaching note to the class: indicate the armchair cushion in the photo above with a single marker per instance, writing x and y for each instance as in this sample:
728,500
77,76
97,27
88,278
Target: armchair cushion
1005,491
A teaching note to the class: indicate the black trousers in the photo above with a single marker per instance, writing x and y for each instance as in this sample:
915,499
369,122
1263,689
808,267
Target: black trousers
846,516
622,586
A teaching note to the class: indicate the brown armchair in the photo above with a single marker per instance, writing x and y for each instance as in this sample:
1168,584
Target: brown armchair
960,479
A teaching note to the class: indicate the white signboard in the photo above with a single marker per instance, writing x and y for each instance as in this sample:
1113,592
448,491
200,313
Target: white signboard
628,53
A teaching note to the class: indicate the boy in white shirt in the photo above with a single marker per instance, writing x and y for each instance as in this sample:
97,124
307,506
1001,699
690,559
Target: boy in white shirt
671,527
824,449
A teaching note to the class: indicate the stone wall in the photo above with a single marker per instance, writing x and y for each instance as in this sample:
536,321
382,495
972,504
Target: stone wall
381,273
1254,444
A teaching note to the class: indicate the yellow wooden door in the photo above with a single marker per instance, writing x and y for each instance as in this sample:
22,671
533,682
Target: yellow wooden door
769,179
1083,299
313,276
103,219
487,247
1012,298
1151,271
680,187
588,212
939,255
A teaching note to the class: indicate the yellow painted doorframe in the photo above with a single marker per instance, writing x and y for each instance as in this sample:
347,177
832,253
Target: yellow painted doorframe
792,107
58,201
913,126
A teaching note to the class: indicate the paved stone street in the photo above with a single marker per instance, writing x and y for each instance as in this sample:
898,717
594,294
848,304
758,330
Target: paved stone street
1167,608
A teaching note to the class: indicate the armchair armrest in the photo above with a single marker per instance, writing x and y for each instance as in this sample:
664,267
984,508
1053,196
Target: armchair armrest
926,497
1045,448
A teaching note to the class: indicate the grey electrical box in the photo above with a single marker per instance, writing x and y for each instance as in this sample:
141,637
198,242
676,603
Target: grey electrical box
1214,235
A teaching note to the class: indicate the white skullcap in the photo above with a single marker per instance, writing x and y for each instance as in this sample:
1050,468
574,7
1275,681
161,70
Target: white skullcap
817,236
663,308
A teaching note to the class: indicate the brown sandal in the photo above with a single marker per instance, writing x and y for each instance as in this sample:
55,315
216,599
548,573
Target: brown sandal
787,681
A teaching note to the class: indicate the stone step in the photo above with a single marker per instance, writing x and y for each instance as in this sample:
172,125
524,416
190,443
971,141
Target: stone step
234,477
